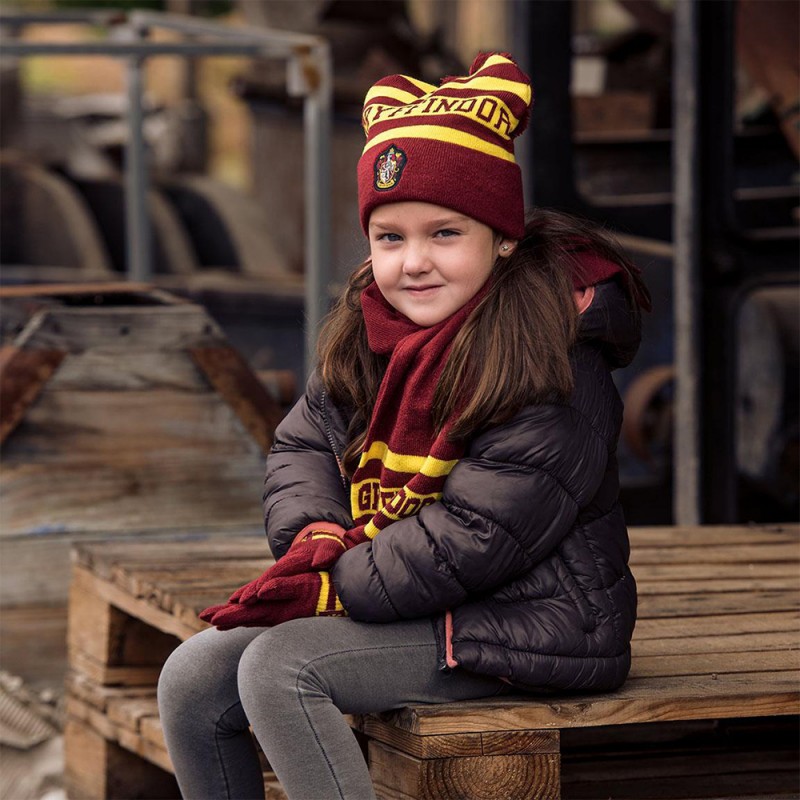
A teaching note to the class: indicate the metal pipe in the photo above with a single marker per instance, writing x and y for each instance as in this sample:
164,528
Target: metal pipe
311,58
137,220
317,144
686,267
131,49
15,19
281,42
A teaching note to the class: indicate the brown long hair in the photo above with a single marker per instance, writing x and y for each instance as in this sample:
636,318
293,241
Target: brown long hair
513,351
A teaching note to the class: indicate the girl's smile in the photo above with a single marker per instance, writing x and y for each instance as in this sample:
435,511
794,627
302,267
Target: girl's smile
428,261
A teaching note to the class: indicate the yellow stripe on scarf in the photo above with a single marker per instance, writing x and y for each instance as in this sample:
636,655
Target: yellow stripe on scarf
396,462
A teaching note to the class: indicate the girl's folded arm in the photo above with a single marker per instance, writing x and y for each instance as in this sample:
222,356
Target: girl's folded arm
303,483
505,508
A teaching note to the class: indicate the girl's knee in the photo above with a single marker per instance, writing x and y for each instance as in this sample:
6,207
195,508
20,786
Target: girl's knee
278,663
182,675
200,670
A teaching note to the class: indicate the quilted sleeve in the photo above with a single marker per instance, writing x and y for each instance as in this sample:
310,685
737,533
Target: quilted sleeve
303,483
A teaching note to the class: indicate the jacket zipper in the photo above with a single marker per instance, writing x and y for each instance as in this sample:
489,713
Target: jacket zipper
332,442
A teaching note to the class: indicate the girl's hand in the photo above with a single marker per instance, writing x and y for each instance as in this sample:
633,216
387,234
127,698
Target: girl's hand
313,550
290,597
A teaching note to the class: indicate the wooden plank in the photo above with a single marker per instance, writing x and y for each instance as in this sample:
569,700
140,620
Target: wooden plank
151,731
94,694
184,577
679,605
97,768
35,569
715,663
97,370
127,712
39,658
460,744
106,636
145,611
148,327
709,536
524,777
701,572
711,625
186,608
639,700
740,553
84,712
723,643
94,627
647,587
86,759
147,750
191,551
211,483
109,675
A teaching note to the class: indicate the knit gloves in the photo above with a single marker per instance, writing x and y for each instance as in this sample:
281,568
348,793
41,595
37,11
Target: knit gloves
298,585
310,594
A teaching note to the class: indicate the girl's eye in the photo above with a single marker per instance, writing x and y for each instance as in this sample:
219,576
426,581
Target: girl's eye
389,237
446,233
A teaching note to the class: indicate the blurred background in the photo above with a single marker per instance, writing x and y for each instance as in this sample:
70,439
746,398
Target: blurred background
140,389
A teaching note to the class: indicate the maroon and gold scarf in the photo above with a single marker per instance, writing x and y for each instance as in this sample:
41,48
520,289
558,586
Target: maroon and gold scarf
405,462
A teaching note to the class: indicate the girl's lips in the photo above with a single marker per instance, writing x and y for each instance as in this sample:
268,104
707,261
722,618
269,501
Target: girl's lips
418,290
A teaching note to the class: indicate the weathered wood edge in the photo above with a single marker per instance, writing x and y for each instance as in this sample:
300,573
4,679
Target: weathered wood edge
699,701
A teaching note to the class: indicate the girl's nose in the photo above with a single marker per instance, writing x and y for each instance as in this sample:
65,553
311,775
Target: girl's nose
416,259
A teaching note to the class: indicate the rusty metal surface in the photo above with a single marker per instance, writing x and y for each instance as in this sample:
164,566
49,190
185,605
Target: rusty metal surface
230,375
23,375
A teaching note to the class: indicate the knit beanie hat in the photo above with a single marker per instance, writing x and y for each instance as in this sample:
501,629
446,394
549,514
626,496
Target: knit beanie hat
452,145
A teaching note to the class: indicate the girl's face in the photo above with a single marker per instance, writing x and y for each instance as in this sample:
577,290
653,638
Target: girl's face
428,261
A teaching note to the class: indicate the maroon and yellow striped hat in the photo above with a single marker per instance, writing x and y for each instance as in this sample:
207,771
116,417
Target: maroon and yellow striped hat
452,145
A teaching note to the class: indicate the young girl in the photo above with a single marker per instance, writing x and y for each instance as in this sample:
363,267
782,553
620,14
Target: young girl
450,472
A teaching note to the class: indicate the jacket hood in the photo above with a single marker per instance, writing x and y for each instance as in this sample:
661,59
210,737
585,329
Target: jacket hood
612,324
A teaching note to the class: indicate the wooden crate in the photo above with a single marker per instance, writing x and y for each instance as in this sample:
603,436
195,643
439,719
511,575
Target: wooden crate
716,649
123,412
131,604
125,408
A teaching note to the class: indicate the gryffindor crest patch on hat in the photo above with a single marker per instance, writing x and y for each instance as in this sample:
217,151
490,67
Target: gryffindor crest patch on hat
389,168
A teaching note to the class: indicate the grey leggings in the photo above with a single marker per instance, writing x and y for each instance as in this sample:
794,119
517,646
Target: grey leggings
292,683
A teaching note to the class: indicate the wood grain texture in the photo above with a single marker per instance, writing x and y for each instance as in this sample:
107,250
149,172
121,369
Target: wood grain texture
398,775
646,699
525,742
98,768
116,426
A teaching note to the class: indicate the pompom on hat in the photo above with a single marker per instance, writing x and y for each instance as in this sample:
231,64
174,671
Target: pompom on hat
451,145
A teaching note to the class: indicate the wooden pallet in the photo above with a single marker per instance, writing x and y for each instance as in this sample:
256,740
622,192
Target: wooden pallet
717,639
131,604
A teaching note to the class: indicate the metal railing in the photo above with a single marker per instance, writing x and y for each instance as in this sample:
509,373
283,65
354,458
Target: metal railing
308,75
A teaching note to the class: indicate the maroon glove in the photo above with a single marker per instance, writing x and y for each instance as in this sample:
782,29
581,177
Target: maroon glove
317,547
290,597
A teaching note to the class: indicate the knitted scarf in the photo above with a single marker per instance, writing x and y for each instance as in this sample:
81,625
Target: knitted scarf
404,463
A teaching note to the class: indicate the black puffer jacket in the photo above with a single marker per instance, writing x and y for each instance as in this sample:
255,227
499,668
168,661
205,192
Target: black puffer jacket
527,549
